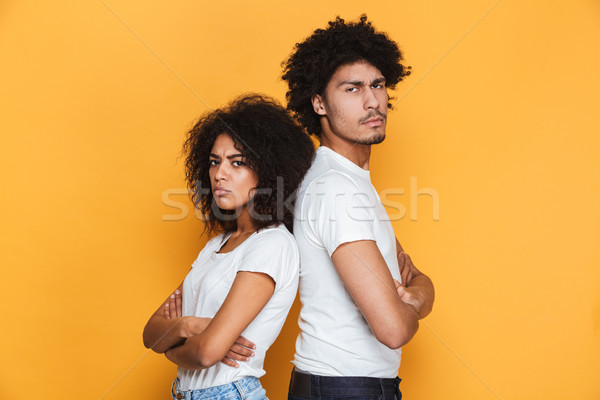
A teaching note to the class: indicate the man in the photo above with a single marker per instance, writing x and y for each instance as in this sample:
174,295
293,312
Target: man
361,295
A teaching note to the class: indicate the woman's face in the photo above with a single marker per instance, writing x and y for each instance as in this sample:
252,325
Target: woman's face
231,179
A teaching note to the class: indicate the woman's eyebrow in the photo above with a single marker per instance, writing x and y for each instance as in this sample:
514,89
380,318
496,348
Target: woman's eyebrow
228,157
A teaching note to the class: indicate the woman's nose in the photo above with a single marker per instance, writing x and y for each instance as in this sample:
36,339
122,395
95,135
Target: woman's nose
221,172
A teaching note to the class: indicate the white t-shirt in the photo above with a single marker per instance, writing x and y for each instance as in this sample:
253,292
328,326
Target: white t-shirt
338,204
272,251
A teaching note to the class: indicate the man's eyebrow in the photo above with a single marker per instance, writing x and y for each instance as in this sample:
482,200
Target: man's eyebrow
351,82
362,83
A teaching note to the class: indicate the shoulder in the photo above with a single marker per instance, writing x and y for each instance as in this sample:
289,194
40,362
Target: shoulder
272,251
327,168
332,182
274,237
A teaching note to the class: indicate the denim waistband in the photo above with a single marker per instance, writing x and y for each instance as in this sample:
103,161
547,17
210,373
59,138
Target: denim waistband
307,385
242,386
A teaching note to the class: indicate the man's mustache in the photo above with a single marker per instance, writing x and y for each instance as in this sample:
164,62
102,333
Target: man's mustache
371,114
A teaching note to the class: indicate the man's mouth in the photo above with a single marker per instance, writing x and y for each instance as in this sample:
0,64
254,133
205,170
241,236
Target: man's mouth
374,119
373,122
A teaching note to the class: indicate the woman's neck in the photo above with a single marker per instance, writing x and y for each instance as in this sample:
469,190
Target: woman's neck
245,228
244,223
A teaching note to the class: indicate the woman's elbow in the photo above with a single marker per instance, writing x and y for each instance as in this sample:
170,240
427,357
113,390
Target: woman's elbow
206,355
151,343
205,361
155,347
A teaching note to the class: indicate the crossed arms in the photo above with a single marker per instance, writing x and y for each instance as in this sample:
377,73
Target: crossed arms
198,343
392,309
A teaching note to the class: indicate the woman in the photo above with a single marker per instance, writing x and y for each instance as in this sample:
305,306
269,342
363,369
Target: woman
244,162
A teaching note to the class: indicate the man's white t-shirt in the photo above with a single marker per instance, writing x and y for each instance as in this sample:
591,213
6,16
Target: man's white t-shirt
272,251
337,204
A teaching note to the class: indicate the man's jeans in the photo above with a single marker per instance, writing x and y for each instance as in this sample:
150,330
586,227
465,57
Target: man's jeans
247,388
313,387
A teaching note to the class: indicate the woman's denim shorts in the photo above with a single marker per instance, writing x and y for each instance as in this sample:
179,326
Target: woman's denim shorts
248,388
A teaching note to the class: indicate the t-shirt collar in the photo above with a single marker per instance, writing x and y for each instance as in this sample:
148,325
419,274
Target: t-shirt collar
344,161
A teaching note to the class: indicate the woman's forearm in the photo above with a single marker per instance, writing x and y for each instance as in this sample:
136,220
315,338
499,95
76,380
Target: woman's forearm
160,333
187,356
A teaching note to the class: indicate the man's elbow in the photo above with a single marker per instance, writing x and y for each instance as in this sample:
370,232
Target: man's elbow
396,338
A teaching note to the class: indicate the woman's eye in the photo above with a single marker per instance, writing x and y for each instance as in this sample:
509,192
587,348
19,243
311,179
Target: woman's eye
238,163
351,90
377,86
212,163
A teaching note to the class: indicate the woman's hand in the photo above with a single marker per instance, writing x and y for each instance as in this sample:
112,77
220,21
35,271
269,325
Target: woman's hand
172,308
240,351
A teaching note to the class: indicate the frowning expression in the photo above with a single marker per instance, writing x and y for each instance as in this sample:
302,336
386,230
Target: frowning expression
232,180
354,104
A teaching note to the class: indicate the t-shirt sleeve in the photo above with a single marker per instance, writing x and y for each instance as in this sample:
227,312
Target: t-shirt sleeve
272,252
339,212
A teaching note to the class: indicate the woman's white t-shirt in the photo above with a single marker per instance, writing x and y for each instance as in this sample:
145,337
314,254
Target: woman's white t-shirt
272,251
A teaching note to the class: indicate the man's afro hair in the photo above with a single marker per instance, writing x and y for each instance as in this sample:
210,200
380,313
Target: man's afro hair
314,61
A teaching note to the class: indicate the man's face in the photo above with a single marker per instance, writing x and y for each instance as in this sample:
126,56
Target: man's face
354,104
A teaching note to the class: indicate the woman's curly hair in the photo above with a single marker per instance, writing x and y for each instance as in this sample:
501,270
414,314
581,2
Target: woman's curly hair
274,147
314,61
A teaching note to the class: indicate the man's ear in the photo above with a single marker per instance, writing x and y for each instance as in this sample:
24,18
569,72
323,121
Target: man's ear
318,104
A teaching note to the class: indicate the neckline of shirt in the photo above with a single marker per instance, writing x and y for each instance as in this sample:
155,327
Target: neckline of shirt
344,161
224,241
244,243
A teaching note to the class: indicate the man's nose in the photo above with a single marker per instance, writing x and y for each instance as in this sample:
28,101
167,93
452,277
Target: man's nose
371,100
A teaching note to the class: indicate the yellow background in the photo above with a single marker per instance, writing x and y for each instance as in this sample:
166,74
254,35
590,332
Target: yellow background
500,118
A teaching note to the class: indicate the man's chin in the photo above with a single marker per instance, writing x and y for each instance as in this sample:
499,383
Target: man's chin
375,139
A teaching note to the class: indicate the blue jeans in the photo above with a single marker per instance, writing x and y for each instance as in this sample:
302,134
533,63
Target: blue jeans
314,387
247,388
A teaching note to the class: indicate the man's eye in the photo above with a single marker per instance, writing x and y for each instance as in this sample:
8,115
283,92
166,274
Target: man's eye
351,90
377,86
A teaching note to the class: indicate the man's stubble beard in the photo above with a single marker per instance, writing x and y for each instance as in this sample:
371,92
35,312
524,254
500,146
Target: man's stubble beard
375,139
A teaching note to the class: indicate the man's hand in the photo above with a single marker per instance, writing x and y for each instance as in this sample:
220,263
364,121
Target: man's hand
407,269
241,349
413,296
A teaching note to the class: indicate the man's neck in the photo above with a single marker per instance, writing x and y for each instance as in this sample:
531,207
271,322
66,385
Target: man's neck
359,154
